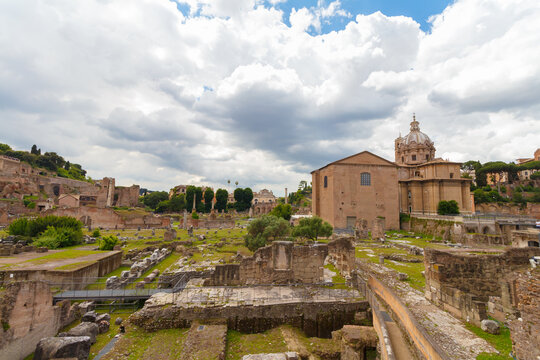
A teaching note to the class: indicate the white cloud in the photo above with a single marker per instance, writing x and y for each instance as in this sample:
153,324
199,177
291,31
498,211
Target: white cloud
138,91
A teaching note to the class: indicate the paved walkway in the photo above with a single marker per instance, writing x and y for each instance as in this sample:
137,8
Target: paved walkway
107,348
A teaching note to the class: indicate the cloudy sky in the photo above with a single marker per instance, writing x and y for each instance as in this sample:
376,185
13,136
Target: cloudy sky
160,93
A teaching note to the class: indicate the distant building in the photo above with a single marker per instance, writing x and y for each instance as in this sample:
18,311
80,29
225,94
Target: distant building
263,196
366,186
526,174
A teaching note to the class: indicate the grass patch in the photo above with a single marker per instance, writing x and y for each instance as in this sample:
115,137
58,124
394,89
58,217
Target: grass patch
62,255
139,344
239,344
501,342
74,265
413,270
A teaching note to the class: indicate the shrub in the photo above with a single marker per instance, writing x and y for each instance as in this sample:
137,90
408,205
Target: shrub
194,215
283,211
96,233
535,176
264,229
404,217
19,227
37,226
54,238
448,207
108,242
312,228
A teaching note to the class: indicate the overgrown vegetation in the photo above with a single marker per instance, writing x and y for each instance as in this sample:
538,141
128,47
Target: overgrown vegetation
50,161
501,342
312,228
108,242
283,211
265,229
52,231
448,207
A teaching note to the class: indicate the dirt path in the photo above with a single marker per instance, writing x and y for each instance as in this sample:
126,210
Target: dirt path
294,344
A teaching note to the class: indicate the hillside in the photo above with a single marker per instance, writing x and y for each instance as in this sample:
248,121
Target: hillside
49,161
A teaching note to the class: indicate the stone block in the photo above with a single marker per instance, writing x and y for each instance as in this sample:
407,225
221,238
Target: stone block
88,329
90,316
490,326
63,347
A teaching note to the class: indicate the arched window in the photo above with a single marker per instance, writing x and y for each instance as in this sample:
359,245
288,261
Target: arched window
365,179
326,181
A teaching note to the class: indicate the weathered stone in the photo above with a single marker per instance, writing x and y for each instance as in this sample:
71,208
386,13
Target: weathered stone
103,326
118,321
490,326
85,329
90,316
63,347
402,276
102,317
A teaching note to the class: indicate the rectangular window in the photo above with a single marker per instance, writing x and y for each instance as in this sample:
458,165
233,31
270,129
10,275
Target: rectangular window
414,157
326,181
427,156
365,179
451,175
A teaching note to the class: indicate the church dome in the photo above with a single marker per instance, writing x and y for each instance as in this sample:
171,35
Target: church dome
416,135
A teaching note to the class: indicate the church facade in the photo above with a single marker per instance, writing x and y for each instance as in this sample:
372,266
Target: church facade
366,186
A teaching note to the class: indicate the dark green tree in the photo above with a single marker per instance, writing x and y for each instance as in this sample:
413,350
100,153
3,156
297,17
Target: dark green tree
222,196
4,147
312,228
154,198
34,150
177,203
208,197
193,192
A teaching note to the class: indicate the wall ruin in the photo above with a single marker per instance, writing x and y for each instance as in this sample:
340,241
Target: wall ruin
283,262
28,315
462,283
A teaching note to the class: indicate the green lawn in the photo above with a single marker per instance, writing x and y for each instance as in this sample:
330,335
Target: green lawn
62,255
501,342
239,344
74,265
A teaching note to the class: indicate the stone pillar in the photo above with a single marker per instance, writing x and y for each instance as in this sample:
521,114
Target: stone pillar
251,211
184,226
286,199
377,230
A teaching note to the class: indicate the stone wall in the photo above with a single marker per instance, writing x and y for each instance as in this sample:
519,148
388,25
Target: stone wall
314,318
75,279
107,218
447,229
28,315
462,283
524,238
525,331
126,196
283,262
532,209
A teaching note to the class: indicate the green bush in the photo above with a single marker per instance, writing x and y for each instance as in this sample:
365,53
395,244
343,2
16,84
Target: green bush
535,176
448,207
283,211
54,238
35,227
312,228
96,233
404,217
194,215
108,242
264,229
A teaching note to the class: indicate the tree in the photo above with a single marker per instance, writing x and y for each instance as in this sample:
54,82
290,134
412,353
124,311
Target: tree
154,198
4,147
163,206
243,198
67,166
34,150
448,207
283,211
193,192
177,203
265,229
312,228
303,185
221,199
208,197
